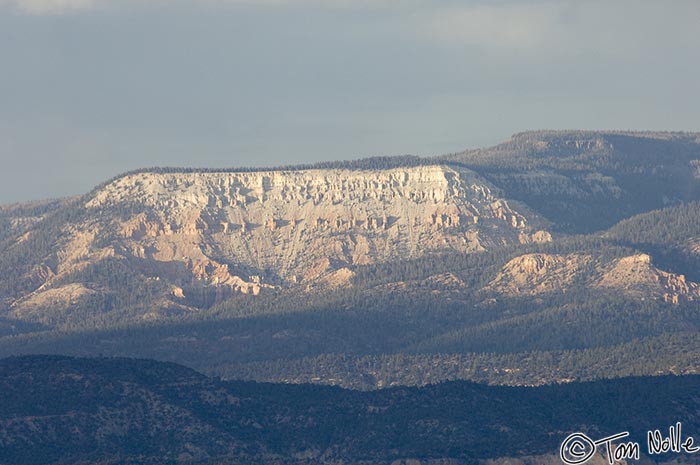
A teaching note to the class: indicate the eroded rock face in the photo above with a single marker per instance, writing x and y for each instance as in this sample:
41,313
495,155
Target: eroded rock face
533,274
292,221
637,277
249,231
634,276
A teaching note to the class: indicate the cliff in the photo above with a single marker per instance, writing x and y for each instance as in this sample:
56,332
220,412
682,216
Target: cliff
245,232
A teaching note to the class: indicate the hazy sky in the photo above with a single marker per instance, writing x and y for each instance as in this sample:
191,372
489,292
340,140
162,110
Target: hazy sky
92,88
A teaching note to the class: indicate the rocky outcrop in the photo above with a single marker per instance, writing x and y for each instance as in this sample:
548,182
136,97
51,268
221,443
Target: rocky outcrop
533,274
250,231
287,222
634,276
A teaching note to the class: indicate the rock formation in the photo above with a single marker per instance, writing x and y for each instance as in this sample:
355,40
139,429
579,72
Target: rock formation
217,230
633,276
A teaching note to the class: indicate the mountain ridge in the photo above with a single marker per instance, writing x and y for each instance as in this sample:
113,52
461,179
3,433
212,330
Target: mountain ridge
371,259
245,232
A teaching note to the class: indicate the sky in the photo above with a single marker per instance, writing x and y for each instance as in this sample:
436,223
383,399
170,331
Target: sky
93,88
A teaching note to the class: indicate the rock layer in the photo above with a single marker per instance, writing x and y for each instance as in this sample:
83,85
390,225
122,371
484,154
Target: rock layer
292,223
248,231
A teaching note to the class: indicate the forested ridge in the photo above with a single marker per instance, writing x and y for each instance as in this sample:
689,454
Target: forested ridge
107,410
445,315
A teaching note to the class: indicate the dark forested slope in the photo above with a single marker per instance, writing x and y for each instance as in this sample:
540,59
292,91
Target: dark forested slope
64,410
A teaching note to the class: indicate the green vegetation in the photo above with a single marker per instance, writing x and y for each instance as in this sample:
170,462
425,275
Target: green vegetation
668,354
64,410
396,324
588,181
370,321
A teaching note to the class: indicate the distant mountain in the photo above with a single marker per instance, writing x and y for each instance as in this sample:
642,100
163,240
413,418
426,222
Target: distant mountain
108,411
585,181
181,241
553,246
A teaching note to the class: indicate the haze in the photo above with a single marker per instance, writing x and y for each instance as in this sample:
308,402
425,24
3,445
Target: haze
89,89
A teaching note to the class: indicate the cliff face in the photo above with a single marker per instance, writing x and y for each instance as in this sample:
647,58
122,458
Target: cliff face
297,225
244,232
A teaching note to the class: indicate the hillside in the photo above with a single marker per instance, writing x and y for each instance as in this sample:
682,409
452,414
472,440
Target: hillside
140,411
587,181
198,238
328,273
